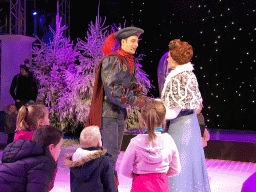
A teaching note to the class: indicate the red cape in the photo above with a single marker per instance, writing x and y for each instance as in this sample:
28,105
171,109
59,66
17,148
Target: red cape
95,114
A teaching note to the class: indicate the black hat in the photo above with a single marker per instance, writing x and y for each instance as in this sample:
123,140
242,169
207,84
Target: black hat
127,32
25,65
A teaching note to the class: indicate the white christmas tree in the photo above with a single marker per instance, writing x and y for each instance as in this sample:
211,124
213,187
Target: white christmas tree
75,102
52,64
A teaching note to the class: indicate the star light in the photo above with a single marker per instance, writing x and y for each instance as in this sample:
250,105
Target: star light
221,35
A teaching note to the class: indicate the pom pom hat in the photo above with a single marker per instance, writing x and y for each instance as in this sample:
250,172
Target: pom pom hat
124,33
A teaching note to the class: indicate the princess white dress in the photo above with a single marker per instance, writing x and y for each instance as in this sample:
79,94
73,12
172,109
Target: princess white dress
181,96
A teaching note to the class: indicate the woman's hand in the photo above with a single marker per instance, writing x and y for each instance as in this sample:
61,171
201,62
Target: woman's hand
198,110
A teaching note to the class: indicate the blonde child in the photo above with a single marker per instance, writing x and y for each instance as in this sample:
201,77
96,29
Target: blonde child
29,118
10,122
90,169
150,158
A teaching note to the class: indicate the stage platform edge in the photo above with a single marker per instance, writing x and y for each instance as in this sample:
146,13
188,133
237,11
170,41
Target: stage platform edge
232,145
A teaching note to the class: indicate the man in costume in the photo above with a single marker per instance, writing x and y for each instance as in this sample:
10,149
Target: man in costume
115,89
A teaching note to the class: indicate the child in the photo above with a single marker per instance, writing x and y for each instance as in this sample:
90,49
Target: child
150,158
30,165
29,118
90,169
10,122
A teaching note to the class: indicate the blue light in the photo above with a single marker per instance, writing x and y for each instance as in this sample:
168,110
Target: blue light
34,13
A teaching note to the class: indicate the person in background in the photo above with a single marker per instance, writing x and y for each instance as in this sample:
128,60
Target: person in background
24,86
30,165
152,157
183,101
10,122
90,168
29,119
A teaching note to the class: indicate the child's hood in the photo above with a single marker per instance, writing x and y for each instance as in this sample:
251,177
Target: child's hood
150,152
88,160
22,149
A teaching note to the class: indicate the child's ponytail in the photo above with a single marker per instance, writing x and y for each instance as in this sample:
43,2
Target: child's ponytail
153,116
21,118
151,124
31,116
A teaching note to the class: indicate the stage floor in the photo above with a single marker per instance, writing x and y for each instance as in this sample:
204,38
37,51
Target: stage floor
224,175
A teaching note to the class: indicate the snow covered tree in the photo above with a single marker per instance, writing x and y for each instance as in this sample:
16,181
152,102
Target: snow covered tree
52,64
77,98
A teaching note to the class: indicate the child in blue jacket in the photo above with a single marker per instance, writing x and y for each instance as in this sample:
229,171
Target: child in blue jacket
29,166
90,169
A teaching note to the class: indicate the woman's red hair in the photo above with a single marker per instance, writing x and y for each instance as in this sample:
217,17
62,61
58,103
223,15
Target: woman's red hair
180,51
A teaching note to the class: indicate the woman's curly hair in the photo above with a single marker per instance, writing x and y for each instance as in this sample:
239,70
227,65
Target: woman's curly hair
180,51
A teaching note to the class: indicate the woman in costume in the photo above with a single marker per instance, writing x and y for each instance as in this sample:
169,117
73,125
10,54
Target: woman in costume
183,101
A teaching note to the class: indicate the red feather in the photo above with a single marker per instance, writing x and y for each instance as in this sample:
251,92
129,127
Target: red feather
109,44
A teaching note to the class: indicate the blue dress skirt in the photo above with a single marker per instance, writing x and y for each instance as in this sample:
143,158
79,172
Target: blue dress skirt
185,131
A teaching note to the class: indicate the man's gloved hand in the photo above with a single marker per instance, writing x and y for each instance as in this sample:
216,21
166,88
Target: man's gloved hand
141,101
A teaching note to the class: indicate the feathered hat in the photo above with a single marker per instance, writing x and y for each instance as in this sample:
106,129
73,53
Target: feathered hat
114,38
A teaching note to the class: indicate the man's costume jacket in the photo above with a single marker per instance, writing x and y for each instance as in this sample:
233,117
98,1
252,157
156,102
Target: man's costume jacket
115,88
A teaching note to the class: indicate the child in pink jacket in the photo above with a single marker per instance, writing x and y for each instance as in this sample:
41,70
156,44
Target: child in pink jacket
29,118
151,158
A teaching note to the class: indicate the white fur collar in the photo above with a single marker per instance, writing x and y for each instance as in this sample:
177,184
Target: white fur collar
81,156
180,69
80,153
177,70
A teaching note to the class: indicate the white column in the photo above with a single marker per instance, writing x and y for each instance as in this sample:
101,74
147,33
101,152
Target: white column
14,50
